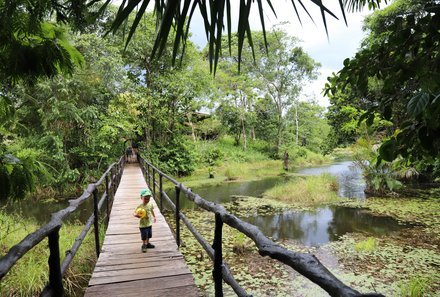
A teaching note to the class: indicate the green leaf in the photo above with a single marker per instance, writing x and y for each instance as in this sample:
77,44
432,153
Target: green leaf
418,104
363,117
388,150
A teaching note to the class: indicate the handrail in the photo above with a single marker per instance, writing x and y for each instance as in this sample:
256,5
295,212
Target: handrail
51,230
306,264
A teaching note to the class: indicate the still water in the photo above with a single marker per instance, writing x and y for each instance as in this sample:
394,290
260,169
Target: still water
322,225
350,180
311,228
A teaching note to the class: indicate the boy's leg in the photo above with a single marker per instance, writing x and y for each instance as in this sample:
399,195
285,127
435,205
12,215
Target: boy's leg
149,235
144,237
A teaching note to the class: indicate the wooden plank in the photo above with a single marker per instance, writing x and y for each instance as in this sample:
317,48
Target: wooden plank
122,269
143,287
117,276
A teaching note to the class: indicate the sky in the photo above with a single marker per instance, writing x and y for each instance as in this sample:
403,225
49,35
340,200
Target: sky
342,41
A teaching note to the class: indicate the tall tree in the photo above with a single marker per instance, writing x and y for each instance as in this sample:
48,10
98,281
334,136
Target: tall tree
281,69
307,118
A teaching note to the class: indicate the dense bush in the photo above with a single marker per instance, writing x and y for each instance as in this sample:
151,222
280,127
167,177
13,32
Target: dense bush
176,157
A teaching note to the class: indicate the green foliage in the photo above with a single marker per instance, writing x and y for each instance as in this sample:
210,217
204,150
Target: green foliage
213,156
19,174
396,74
29,276
312,127
388,268
234,171
368,245
312,190
416,287
381,178
241,243
176,157
300,156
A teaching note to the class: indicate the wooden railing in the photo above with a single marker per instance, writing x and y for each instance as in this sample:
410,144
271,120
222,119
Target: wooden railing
108,183
306,264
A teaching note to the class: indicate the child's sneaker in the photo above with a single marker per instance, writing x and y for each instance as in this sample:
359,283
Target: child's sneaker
144,248
150,246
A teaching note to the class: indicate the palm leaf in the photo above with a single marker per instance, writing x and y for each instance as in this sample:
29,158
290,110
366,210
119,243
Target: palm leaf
174,13
243,23
136,21
358,5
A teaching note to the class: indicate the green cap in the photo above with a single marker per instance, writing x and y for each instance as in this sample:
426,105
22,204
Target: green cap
145,192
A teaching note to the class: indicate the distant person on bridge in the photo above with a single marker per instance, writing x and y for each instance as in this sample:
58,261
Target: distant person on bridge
129,154
146,214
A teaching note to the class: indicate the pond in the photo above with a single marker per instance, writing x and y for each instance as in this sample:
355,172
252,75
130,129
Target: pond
322,225
311,228
40,212
350,180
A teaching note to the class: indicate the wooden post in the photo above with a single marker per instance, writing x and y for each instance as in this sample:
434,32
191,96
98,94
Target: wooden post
107,198
55,277
113,175
148,175
154,183
161,189
218,257
96,220
177,215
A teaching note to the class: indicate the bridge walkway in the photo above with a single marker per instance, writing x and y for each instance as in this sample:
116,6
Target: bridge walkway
122,269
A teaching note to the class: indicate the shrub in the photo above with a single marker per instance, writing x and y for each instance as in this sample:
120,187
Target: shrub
176,157
310,190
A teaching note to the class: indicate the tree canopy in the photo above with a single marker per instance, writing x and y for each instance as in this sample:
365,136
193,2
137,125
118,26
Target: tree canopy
395,76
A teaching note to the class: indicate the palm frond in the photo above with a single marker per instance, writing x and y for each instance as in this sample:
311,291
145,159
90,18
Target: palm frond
358,5
216,15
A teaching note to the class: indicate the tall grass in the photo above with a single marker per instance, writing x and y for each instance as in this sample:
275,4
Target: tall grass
234,171
309,190
417,286
30,274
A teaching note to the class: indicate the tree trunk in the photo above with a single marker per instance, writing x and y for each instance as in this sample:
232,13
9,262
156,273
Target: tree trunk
244,133
286,161
193,134
253,133
297,123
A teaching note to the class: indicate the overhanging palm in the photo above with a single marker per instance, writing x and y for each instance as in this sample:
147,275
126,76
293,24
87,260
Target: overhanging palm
216,16
22,26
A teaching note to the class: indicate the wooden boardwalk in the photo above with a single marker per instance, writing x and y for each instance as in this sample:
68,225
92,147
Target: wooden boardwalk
122,269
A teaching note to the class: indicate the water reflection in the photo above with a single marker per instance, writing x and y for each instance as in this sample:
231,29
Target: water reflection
350,179
41,212
322,225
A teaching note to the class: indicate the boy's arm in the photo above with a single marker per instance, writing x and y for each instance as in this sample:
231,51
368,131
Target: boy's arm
135,214
154,215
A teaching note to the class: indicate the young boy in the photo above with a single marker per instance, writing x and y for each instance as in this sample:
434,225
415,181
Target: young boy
145,223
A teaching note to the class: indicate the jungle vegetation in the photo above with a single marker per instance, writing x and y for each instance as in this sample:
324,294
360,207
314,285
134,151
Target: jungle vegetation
72,93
